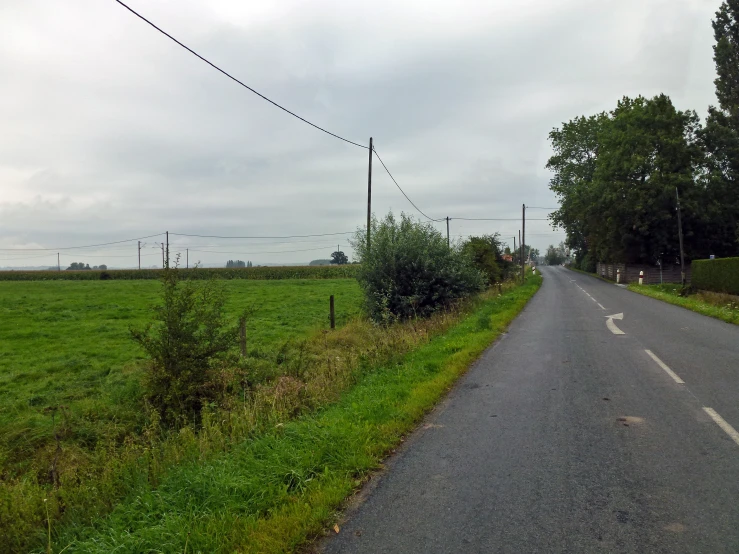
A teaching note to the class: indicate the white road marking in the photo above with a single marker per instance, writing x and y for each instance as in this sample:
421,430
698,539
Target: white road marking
663,365
612,326
601,306
723,424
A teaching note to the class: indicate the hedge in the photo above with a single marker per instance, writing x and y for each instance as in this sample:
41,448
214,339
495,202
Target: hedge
348,271
717,275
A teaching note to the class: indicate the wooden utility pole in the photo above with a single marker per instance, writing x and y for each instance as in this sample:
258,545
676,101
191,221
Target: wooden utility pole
187,258
520,246
523,243
139,254
162,245
58,263
447,233
680,234
369,195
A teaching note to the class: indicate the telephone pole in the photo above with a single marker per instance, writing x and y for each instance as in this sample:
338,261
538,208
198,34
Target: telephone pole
680,233
447,232
523,243
139,254
187,258
162,245
58,264
514,243
520,246
369,195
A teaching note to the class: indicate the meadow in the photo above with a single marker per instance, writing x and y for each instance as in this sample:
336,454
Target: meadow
67,343
85,467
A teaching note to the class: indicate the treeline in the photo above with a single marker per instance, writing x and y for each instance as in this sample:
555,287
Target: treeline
617,174
257,273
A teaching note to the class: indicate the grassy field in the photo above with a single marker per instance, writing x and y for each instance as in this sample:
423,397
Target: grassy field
278,491
713,304
66,343
72,378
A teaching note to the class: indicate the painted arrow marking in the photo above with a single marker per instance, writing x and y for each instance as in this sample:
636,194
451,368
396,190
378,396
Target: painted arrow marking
612,326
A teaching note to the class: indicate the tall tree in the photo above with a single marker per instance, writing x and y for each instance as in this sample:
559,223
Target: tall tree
720,138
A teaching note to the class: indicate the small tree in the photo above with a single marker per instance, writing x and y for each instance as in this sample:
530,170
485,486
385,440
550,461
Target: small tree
339,258
187,336
410,271
484,252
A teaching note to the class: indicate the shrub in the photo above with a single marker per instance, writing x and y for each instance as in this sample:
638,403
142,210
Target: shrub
716,275
484,252
410,271
183,344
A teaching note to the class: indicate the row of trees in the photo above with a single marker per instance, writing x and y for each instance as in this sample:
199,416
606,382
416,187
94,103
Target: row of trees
77,266
616,174
238,263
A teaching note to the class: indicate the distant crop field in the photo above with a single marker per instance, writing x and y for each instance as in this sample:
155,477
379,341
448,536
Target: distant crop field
346,271
66,343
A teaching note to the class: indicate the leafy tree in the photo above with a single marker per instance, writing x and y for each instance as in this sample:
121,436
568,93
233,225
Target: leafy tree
555,255
320,262
188,335
410,271
235,263
484,252
720,138
339,258
615,176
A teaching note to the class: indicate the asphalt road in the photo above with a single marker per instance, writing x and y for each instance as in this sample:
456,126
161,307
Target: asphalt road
566,437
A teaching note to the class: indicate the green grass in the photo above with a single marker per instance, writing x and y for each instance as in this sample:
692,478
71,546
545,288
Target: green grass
67,343
277,490
721,306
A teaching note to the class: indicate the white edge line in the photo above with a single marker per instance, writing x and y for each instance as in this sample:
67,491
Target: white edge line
612,327
723,424
663,365
601,306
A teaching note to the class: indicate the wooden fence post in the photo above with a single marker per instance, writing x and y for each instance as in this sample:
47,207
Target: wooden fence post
242,335
333,318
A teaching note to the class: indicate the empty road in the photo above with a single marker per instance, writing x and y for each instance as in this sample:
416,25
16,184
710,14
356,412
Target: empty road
573,434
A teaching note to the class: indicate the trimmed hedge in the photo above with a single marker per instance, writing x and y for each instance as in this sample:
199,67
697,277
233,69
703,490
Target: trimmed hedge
348,271
716,275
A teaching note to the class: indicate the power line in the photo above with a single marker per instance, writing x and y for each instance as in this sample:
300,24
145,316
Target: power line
257,253
401,190
285,237
495,219
214,66
74,247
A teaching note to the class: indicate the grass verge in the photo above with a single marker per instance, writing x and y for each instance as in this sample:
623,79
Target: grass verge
280,488
713,304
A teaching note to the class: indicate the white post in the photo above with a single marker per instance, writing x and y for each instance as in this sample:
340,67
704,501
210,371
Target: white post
641,277
618,276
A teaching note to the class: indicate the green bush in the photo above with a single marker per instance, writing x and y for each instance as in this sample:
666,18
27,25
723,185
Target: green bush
189,334
716,275
484,252
409,271
588,263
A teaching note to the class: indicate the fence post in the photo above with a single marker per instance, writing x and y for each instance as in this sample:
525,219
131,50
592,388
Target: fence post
641,277
333,319
242,335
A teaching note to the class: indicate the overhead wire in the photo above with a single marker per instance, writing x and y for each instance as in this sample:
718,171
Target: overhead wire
75,247
257,237
214,66
402,191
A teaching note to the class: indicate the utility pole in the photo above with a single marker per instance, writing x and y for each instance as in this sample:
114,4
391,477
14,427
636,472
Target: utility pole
680,233
167,236
162,245
369,195
187,258
447,232
139,254
58,264
523,242
520,246
514,243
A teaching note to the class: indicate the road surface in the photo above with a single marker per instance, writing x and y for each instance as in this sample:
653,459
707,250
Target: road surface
568,437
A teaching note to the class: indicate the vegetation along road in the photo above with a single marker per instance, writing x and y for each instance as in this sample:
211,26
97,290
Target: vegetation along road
573,435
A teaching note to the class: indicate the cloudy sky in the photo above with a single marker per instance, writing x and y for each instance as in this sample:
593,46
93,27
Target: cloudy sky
110,131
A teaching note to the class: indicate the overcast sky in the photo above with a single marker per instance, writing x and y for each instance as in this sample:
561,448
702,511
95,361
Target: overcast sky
110,131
